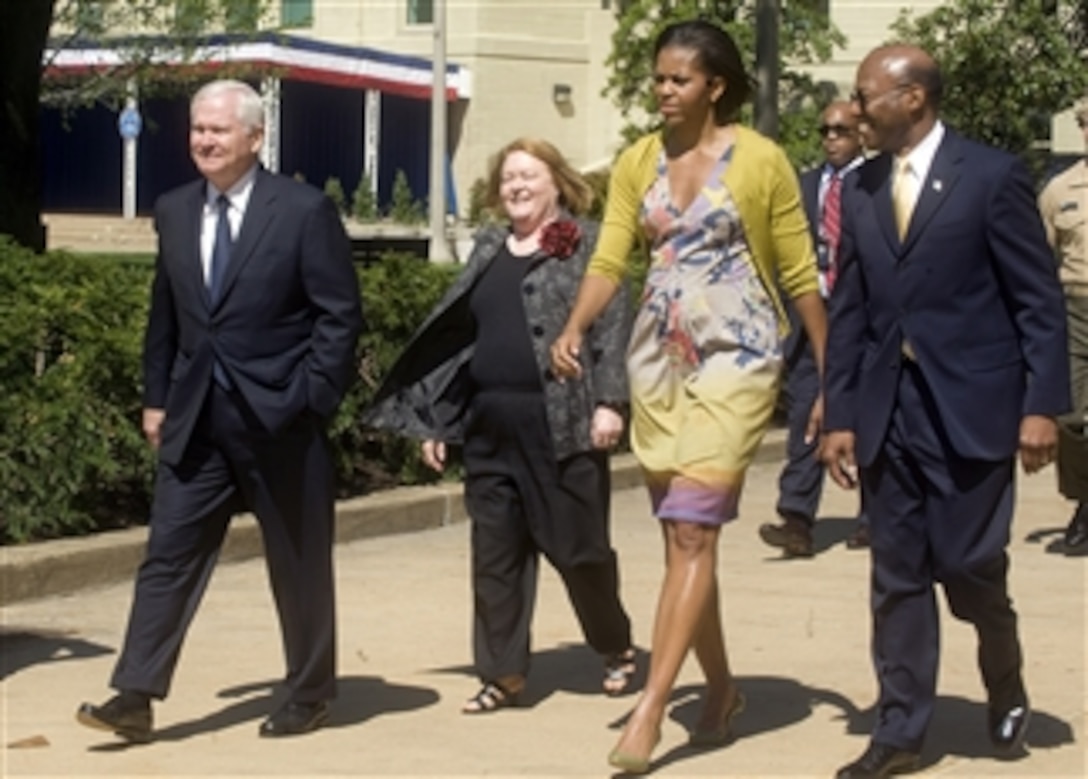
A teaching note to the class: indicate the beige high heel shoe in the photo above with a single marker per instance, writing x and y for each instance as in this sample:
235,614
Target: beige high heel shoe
631,763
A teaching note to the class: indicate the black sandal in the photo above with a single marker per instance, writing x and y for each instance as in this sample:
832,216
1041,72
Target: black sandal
619,670
491,697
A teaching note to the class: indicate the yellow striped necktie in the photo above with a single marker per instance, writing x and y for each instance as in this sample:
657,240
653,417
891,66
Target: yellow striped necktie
902,196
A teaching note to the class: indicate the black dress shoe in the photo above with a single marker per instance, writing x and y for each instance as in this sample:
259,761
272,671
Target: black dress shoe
879,761
1077,531
1009,726
859,539
792,536
127,714
294,719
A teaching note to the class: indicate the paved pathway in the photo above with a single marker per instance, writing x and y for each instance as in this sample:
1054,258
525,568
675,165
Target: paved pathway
797,634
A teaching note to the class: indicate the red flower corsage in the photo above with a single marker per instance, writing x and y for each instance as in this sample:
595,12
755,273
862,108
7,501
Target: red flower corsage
560,238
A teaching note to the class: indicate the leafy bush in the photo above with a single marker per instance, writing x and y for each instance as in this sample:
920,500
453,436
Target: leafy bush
334,190
69,393
364,201
403,206
71,334
598,181
398,293
478,211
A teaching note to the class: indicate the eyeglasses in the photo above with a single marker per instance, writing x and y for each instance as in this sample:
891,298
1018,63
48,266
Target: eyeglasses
837,130
864,101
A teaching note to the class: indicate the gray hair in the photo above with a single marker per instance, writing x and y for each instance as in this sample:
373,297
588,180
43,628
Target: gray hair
250,108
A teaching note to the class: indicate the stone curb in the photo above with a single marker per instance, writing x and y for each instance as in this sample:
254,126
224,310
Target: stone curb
67,565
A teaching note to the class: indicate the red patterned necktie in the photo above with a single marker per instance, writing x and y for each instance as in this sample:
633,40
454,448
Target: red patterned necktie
831,226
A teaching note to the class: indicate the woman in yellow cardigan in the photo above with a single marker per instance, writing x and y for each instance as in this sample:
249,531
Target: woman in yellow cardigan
720,208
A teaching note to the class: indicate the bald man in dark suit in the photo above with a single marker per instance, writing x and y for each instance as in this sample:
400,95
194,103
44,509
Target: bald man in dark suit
946,359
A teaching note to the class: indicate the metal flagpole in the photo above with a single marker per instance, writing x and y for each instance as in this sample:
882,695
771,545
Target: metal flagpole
438,248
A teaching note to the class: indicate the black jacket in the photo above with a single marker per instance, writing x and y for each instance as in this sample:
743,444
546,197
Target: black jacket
428,391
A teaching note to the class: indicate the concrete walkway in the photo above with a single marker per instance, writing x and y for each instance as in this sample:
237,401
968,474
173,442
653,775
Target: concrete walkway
798,636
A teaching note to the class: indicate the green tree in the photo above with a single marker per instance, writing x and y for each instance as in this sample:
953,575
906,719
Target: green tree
334,190
403,206
364,202
142,32
24,37
806,37
1007,66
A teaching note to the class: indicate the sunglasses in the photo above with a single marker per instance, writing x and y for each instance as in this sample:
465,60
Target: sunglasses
838,130
864,101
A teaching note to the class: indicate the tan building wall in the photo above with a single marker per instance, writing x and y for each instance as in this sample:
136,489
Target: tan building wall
866,25
519,54
1066,137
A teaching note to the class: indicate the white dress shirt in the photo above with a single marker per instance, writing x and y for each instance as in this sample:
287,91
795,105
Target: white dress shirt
920,159
238,195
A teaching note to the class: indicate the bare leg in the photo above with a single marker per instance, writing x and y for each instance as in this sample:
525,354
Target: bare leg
687,592
721,692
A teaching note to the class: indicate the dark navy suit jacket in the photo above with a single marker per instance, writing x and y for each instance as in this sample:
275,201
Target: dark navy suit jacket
810,196
284,327
972,287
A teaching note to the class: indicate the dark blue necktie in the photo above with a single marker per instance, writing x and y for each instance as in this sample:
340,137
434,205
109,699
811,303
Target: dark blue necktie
218,269
220,250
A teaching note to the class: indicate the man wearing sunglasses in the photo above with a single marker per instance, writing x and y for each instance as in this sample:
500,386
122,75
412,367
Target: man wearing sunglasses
946,360
1064,206
801,481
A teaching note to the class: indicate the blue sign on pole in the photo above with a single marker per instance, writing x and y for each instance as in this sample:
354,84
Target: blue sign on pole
129,123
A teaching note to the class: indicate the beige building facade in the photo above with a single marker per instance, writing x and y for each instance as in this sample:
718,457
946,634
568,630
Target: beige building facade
536,67
524,67
866,25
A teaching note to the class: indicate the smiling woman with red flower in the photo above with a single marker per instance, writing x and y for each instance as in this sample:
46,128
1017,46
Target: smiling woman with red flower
535,450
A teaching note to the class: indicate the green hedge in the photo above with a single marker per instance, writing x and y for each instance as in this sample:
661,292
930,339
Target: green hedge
70,336
398,293
71,331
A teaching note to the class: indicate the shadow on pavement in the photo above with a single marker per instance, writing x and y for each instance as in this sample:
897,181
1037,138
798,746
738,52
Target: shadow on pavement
958,727
22,648
360,698
1056,544
773,703
828,532
571,668
833,531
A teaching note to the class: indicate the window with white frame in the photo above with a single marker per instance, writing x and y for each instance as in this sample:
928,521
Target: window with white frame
420,11
297,13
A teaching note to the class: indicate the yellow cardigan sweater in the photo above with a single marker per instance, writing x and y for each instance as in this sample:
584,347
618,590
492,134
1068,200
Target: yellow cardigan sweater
764,187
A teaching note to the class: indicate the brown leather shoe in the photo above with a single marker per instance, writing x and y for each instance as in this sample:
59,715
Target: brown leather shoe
792,536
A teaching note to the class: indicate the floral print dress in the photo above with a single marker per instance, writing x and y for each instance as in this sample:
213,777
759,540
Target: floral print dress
704,357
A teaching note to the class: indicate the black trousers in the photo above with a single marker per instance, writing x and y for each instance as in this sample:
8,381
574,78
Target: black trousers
523,503
232,465
936,517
